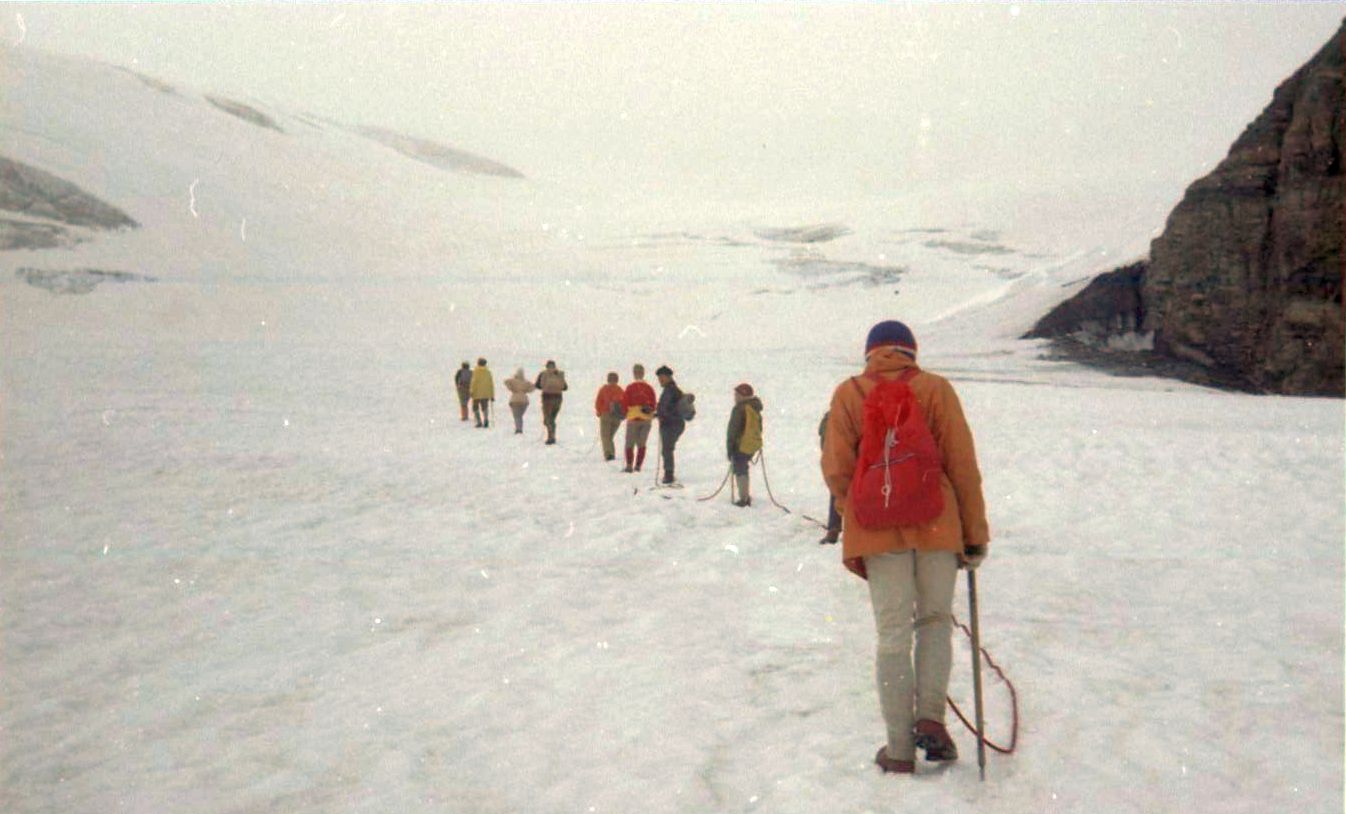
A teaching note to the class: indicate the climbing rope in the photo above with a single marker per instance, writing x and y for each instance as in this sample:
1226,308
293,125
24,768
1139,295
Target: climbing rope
727,473
760,458
1014,702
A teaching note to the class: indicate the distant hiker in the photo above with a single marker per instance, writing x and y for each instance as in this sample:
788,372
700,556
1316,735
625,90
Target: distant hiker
833,518
744,438
462,381
671,421
640,401
482,388
610,411
911,568
519,388
552,383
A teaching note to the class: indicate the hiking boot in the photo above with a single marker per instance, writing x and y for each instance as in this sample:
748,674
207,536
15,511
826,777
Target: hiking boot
628,468
830,538
934,739
667,481
609,457
551,440
744,503
890,766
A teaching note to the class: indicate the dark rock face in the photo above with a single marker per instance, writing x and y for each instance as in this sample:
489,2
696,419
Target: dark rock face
32,192
18,234
1247,275
1244,287
437,155
76,281
247,113
1109,306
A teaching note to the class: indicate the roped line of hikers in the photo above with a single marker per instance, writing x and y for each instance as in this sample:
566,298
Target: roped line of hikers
636,406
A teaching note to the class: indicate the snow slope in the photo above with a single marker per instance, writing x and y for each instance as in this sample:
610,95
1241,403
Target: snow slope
251,561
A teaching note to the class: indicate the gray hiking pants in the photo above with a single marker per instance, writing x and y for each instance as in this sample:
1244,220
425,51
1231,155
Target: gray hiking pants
518,410
912,591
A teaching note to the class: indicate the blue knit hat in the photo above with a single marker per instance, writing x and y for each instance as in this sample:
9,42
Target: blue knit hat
891,332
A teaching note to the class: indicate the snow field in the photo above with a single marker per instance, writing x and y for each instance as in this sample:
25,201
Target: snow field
250,560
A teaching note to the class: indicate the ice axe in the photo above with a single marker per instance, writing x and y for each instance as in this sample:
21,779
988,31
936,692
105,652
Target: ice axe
976,671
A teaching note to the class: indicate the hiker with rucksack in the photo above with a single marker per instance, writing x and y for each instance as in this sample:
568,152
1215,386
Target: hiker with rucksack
744,438
610,411
519,387
833,518
640,404
674,410
552,383
462,382
482,389
900,460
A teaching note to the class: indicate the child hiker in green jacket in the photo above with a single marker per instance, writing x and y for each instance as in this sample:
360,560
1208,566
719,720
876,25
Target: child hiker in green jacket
744,438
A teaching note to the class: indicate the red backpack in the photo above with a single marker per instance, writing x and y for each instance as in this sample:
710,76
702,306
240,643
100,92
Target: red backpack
897,477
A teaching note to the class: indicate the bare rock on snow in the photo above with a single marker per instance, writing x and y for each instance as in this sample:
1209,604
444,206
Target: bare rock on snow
1109,305
1246,279
247,113
820,233
437,155
22,234
827,273
32,192
76,281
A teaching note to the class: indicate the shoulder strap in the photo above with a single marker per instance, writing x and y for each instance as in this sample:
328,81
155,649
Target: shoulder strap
855,380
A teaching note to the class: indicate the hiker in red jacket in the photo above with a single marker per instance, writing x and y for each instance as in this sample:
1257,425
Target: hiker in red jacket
640,403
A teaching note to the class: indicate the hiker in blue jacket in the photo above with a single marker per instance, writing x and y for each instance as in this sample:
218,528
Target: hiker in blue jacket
671,422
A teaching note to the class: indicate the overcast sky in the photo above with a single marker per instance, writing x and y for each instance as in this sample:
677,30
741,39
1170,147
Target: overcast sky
750,99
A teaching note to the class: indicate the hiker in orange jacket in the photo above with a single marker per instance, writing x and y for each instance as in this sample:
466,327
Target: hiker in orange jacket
610,411
911,570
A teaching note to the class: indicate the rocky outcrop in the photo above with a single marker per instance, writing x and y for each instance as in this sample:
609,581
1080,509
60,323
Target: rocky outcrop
1110,306
247,113
37,194
76,281
437,155
1247,275
1246,279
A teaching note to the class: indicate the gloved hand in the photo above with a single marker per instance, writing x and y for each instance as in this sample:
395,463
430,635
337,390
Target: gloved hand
972,556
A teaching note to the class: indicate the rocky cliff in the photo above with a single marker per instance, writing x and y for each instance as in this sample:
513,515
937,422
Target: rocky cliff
1246,279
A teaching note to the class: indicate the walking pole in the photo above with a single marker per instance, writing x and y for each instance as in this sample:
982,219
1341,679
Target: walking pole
659,462
976,671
